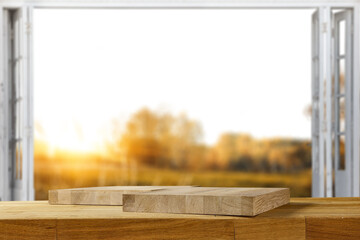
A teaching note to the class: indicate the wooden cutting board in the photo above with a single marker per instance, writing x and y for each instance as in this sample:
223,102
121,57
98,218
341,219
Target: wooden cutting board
100,195
204,200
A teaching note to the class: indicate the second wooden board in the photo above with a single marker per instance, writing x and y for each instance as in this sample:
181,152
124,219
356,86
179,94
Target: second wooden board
204,200
99,195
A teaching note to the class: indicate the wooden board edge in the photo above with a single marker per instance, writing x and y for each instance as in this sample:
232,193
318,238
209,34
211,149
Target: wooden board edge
275,199
53,197
207,205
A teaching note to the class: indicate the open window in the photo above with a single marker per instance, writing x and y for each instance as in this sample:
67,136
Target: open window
16,139
317,117
342,98
332,99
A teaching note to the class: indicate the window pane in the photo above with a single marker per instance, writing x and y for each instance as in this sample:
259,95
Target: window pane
316,73
342,76
316,114
316,39
333,149
342,108
17,165
20,159
342,38
341,152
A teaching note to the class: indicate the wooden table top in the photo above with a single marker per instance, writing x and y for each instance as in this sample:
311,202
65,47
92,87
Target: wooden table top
302,218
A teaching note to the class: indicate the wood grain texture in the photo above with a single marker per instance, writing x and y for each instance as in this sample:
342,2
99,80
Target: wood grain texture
99,195
27,229
203,200
302,218
146,229
270,228
344,228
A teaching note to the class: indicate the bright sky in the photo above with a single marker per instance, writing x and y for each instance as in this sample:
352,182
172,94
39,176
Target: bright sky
232,70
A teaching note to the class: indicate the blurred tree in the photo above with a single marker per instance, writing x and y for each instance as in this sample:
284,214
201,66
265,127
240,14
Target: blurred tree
164,140
226,150
161,140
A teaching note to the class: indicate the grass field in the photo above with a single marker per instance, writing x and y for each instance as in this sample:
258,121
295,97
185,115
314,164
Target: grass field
62,175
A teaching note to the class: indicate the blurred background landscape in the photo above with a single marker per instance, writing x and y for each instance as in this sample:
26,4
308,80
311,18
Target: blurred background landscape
176,97
162,149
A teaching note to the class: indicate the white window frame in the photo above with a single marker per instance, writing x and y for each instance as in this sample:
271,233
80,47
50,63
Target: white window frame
343,175
322,183
16,178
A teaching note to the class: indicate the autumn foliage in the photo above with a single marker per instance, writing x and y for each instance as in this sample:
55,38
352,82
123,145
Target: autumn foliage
166,141
157,148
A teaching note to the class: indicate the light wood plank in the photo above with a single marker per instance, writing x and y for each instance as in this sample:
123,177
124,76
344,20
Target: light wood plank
99,195
202,200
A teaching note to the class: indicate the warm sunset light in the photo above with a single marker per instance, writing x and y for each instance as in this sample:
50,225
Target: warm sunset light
68,138
124,101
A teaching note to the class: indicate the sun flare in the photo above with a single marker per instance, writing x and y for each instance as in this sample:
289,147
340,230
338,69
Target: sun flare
68,136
